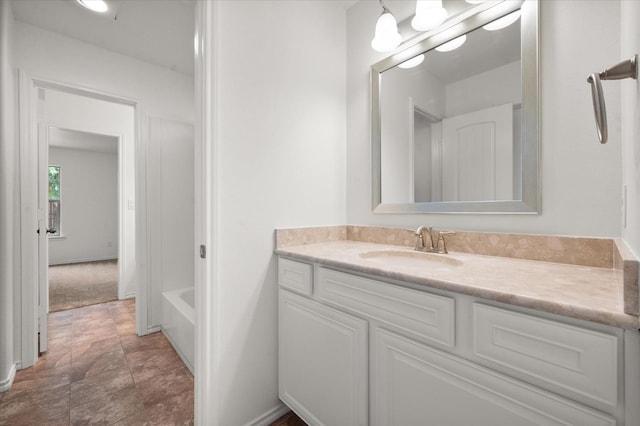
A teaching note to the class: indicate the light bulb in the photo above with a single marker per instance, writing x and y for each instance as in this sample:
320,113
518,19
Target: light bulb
503,22
429,14
96,5
386,37
413,62
453,44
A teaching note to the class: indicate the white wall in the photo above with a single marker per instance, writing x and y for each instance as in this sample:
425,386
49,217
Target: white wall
630,45
580,178
171,165
281,153
89,206
49,55
495,87
8,158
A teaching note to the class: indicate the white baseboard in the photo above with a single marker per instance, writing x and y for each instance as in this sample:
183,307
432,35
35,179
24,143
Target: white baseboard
89,259
154,329
270,416
6,383
178,350
128,296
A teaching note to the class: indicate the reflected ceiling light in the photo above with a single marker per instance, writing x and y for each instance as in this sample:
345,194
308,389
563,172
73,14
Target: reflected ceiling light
475,1
429,14
387,36
453,44
503,22
96,5
413,62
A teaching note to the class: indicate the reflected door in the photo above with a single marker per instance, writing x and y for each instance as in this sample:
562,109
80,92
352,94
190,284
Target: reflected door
477,155
43,231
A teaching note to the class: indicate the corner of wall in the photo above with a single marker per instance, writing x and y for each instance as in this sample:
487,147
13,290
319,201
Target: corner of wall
630,45
7,196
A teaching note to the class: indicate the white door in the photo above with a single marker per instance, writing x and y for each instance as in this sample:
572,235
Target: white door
477,155
43,232
414,385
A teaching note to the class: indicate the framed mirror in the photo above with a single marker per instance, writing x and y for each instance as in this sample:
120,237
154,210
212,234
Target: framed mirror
455,129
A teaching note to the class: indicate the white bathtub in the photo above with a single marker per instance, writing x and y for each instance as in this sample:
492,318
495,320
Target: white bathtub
178,315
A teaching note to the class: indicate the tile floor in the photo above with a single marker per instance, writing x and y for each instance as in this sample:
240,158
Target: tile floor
97,371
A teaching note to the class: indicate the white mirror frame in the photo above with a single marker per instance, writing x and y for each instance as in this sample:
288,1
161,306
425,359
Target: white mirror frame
465,22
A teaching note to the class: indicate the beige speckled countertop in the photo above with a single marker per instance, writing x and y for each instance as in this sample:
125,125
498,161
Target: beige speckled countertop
582,292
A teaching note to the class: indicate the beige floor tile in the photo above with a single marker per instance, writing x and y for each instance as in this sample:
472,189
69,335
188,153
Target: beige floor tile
97,371
162,387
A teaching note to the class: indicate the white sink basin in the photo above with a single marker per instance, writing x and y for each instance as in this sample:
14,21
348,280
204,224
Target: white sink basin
411,259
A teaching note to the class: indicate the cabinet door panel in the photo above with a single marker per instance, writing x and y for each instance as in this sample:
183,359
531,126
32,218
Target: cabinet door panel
426,316
413,384
322,362
295,276
566,357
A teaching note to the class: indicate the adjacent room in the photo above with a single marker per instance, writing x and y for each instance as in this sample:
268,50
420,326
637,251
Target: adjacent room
83,219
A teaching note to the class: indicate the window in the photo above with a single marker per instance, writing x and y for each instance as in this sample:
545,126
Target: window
54,200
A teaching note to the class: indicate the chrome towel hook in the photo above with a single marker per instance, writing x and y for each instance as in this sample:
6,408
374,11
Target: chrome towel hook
624,69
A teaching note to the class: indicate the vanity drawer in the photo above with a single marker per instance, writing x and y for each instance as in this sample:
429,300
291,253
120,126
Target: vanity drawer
423,315
295,276
566,357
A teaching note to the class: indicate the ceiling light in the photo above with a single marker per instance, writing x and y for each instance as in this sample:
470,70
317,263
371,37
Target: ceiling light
386,37
453,44
95,5
503,22
413,62
429,14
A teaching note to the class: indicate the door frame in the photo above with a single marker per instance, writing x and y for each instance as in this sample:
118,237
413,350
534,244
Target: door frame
28,141
208,388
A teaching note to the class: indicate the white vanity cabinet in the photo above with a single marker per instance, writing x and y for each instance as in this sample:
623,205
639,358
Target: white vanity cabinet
356,350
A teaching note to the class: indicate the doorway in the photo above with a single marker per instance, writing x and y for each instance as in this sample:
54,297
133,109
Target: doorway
51,111
83,176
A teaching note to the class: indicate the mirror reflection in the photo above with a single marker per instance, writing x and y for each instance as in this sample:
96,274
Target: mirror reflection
456,129
451,120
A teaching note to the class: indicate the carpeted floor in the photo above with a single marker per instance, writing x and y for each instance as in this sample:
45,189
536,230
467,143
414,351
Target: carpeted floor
82,284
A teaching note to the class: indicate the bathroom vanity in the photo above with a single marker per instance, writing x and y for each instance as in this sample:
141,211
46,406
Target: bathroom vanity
381,334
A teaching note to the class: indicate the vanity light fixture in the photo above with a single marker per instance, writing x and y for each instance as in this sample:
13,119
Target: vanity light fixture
429,14
503,22
386,37
453,44
99,6
412,63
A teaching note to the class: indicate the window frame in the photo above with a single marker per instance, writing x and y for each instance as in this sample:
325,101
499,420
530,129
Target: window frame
58,232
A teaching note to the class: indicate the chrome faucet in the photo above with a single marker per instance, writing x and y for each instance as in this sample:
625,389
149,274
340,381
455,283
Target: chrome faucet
420,246
432,248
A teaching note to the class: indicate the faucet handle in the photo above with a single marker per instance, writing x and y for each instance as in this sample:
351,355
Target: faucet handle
441,235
